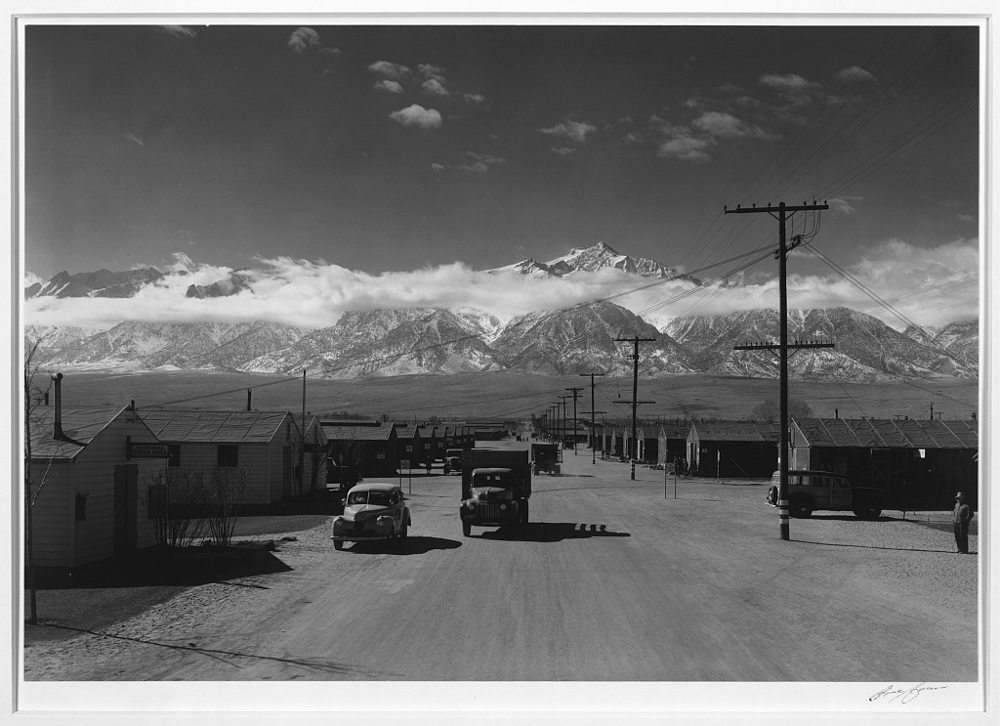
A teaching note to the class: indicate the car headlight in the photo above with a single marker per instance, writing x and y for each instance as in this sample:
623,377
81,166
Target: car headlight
471,504
503,507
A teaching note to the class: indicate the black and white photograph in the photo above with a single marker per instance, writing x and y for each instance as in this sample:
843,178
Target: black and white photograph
501,365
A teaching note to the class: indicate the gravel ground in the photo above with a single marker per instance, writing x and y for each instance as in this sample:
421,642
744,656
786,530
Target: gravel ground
608,561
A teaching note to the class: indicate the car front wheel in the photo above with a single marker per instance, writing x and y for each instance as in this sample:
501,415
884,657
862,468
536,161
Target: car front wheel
466,529
800,507
338,544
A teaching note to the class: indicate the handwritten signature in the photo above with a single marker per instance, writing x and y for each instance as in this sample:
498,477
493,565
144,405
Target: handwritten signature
905,695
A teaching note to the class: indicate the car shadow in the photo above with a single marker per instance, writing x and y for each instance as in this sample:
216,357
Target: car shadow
869,547
845,518
409,545
550,532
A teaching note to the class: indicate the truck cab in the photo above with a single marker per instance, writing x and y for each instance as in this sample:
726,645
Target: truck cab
809,491
496,485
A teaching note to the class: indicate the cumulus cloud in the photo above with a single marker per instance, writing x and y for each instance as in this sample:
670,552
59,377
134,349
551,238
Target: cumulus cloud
727,126
789,81
486,158
844,205
431,71
386,85
434,87
572,130
477,167
181,32
303,39
854,73
680,142
392,71
474,97
417,115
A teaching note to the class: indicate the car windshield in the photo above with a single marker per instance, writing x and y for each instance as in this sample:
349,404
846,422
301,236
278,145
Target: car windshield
380,499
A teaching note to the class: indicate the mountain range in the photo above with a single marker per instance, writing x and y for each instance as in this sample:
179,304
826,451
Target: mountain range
585,338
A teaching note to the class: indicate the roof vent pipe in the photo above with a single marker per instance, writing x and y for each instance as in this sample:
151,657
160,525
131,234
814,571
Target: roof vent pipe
57,432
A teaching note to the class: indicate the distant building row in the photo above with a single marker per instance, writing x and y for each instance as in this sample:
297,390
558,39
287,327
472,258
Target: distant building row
95,471
921,463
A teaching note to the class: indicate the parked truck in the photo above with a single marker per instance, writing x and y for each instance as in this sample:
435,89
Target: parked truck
546,457
828,491
496,485
453,460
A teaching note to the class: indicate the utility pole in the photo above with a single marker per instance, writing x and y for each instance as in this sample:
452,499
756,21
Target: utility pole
562,424
302,446
781,213
634,448
575,391
593,414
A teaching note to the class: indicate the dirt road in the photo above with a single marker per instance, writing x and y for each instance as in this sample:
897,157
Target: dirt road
612,581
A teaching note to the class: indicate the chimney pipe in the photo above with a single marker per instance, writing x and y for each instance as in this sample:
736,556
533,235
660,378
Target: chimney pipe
57,432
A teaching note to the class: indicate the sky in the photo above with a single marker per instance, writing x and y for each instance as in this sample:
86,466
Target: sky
356,167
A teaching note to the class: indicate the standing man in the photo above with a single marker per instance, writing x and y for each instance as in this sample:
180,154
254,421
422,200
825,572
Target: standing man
960,517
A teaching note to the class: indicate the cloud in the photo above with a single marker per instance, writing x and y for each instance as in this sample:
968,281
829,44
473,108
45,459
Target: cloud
30,278
486,158
727,126
135,139
435,167
392,71
686,148
572,130
844,205
478,167
789,81
854,73
434,87
181,32
303,39
390,86
929,285
432,72
563,150
474,97
967,218
417,115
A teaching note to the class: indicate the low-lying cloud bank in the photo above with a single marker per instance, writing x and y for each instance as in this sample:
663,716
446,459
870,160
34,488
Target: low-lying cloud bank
931,287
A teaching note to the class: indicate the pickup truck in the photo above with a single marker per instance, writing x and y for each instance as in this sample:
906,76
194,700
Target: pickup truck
809,491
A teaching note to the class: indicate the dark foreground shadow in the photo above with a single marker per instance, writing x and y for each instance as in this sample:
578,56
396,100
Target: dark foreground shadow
550,532
870,547
158,566
410,545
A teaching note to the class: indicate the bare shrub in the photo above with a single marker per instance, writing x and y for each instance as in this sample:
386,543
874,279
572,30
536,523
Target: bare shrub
221,494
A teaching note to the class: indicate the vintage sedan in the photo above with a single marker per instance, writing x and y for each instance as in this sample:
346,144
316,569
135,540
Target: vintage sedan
372,511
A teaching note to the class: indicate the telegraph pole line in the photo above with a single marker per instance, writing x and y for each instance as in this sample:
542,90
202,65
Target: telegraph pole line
576,392
782,213
634,448
593,433
562,429
593,446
